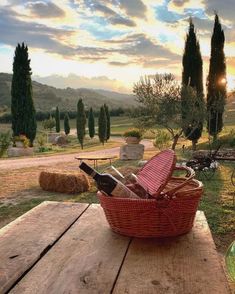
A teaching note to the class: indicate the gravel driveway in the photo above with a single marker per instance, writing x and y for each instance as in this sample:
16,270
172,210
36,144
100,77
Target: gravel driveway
17,163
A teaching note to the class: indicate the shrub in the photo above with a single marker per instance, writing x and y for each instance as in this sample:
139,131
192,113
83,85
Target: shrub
163,140
21,138
133,133
232,138
5,140
49,123
41,140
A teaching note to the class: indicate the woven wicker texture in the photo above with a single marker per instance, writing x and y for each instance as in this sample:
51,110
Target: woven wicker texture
171,213
64,182
154,217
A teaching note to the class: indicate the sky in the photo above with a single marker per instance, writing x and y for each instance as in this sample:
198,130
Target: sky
110,44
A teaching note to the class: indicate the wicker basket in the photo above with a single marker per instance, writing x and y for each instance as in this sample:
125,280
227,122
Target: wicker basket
171,213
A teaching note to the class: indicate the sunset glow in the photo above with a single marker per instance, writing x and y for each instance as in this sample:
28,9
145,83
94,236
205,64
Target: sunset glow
110,44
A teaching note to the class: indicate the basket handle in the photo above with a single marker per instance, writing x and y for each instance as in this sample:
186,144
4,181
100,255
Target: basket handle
189,176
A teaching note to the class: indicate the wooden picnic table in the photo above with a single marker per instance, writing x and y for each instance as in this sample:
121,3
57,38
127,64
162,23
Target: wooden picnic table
95,158
69,248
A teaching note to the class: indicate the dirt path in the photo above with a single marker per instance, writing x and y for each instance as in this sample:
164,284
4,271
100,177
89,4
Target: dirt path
17,163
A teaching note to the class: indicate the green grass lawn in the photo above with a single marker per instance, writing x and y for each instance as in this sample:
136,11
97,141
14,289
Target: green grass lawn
217,200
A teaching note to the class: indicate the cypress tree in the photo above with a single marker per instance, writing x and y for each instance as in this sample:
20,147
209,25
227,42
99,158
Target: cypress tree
108,121
91,123
102,125
66,124
192,76
216,81
57,120
22,106
81,122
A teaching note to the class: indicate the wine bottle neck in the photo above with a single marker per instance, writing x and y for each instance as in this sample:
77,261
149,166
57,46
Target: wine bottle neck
89,170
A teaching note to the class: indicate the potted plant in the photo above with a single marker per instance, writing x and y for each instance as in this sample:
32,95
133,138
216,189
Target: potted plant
132,136
20,141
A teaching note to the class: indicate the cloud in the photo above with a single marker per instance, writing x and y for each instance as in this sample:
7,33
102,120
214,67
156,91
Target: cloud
117,63
225,9
45,9
102,8
13,31
75,81
142,45
112,16
118,20
179,3
134,8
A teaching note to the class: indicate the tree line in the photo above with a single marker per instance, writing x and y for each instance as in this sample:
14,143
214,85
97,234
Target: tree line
43,115
182,109
24,117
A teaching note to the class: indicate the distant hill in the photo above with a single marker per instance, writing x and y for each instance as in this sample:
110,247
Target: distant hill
46,97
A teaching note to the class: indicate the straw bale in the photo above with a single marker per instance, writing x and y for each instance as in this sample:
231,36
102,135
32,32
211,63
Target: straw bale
64,182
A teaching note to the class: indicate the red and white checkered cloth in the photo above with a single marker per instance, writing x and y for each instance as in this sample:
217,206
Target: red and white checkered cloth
155,174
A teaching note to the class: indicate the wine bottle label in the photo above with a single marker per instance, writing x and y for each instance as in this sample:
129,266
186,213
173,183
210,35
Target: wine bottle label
122,191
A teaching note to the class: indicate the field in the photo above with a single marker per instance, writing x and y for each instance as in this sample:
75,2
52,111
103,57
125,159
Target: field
20,195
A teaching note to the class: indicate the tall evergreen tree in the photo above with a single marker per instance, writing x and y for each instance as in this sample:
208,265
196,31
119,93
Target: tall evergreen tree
216,81
102,125
106,108
22,106
66,124
57,120
81,122
192,76
91,123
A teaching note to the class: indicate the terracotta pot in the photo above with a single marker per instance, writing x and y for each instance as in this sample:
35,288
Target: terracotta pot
132,140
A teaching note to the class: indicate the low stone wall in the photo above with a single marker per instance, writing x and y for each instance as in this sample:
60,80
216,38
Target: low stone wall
19,151
131,151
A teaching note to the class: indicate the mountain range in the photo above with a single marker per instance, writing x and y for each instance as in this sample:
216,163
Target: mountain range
47,97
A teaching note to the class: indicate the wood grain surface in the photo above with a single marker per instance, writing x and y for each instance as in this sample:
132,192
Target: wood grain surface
25,240
85,260
187,264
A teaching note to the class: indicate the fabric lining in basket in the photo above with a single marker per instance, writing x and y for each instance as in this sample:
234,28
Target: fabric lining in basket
156,172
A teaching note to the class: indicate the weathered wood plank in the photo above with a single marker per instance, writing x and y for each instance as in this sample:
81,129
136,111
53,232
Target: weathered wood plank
186,264
23,241
85,260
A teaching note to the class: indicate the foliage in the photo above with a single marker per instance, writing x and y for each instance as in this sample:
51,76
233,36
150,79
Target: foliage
21,138
49,124
41,140
106,108
133,133
5,140
57,120
102,125
81,122
66,124
91,123
192,76
162,140
22,105
216,81
193,112
160,104
44,149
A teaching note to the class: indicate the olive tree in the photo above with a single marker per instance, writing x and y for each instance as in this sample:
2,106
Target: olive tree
159,99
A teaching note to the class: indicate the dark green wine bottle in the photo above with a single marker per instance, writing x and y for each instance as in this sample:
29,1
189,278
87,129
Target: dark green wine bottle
107,184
